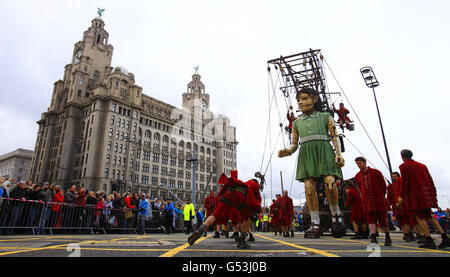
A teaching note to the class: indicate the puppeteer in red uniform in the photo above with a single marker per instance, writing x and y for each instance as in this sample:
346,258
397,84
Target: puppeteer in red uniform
286,213
420,193
372,186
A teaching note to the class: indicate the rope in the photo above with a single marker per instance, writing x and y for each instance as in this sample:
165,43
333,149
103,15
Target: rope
351,106
293,176
276,103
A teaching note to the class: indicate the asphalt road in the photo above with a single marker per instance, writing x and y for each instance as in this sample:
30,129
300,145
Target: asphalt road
175,245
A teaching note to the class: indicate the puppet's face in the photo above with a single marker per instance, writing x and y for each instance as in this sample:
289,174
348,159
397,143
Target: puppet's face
306,102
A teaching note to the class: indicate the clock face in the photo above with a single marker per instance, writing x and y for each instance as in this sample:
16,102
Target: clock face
204,106
77,57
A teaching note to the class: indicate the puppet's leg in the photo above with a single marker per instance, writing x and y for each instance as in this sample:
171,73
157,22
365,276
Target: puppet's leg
337,228
313,207
332,196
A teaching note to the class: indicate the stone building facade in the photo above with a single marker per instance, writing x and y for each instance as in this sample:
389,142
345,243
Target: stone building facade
101,131
16,164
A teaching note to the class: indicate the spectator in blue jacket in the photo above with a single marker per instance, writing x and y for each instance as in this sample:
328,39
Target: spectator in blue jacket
200,217
142,215
442,219
168,214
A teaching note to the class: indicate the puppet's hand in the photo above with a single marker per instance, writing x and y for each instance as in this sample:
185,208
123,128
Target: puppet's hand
283,153
340,160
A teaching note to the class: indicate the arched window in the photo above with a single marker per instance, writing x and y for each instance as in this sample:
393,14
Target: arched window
181,143
157,136
188,145
165,139
148,134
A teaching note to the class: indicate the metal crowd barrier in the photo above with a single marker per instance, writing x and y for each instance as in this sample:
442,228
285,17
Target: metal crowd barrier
47,217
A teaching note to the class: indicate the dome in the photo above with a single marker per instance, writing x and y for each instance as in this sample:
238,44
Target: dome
122,69
98,18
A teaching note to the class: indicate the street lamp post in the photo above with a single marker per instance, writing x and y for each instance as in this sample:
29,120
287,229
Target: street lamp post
372,82
194,161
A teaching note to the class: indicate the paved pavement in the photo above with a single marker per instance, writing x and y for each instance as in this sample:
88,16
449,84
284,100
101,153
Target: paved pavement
175,245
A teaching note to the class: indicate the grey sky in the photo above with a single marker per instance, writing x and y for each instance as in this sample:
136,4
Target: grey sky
406,43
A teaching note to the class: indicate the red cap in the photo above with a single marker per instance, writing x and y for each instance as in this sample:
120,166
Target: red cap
234,174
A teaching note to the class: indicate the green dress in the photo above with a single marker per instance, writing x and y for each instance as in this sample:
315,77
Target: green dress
316,157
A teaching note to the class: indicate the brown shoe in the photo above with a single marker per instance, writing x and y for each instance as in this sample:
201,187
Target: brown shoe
313,232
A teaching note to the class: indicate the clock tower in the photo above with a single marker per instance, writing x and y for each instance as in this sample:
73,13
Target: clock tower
91,60
195,99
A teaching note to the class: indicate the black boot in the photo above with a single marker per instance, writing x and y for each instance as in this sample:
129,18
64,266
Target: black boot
388,240
242,242
445,241
292,234
429,244
227,235
286,235
356,236
373,238
216,235
421,240
235,236
406,238
197,234
251,238
205,234
411,236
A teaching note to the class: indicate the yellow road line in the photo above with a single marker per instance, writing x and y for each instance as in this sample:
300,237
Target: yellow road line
123,250
175,251
52,247
317,251
402,246
242,250
384,250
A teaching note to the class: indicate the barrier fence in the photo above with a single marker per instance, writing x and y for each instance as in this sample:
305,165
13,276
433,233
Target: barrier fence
39,217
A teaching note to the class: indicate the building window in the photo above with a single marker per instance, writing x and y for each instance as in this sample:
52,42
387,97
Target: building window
156,158
164,159
114,106
108,157
112,119
109,145
106,172
155,169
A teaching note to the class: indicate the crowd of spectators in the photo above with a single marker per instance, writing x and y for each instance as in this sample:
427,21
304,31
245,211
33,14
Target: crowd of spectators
79,210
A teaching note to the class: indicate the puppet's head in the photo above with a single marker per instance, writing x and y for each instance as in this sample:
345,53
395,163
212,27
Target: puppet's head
308,100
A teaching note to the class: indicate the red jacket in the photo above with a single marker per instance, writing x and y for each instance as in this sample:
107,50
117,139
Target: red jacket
210,203
418,187
355,201
286,206
393,193
58,197
128,203
373,189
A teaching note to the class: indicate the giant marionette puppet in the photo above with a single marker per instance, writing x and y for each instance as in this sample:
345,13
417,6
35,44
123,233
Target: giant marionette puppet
317,161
